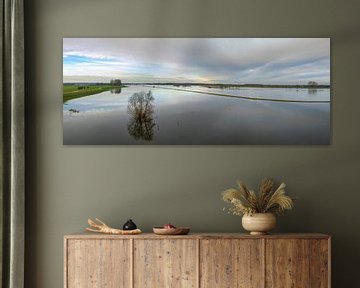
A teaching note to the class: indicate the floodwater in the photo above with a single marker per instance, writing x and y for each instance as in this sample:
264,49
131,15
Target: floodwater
195,115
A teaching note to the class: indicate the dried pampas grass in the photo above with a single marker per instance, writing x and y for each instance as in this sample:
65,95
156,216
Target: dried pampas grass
244,201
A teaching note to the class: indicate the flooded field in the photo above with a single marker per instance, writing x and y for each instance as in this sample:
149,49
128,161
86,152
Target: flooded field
142,114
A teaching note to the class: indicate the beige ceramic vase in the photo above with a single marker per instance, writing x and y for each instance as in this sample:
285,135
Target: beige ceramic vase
259,223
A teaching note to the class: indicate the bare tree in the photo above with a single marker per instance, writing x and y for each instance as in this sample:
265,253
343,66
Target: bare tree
313,83
115,82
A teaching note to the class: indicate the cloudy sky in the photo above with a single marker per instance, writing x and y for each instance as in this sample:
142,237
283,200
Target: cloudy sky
212,60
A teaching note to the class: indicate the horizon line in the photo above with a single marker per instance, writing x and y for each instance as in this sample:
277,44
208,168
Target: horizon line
196,83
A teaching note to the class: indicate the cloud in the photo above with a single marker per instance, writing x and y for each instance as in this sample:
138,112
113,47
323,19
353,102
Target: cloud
232,60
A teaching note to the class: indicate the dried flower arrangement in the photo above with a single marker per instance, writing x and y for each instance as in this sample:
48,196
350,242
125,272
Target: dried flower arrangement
246,202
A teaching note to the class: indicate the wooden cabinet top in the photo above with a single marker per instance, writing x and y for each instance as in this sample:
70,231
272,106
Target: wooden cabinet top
199,236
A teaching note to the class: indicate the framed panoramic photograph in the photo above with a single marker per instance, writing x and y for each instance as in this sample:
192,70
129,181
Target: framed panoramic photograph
201,91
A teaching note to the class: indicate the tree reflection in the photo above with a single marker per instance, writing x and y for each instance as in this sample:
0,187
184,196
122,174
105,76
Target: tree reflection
312,90
115,91
141,110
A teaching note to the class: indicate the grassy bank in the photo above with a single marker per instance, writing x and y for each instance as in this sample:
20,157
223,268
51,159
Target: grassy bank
77,91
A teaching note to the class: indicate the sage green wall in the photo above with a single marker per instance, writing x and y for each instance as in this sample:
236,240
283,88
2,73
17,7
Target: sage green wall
182,184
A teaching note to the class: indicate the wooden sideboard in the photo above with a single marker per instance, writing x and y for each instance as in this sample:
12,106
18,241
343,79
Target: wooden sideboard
197,260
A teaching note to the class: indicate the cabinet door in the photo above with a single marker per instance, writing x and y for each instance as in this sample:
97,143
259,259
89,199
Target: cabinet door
231,263
165,263
287,263
320,263
98,263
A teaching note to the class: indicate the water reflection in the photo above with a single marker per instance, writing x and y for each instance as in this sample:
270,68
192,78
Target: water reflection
141,109
115,91
135,117
312,91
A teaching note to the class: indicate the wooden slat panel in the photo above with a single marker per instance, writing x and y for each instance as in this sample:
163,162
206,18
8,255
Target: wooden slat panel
166,263
231,263
287,263
98,264
198,261
319,263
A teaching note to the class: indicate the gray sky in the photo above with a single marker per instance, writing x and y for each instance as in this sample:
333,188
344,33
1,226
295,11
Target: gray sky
212,60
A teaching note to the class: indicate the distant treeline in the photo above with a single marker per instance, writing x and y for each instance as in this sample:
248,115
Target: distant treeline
221,85
216,85
86,84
